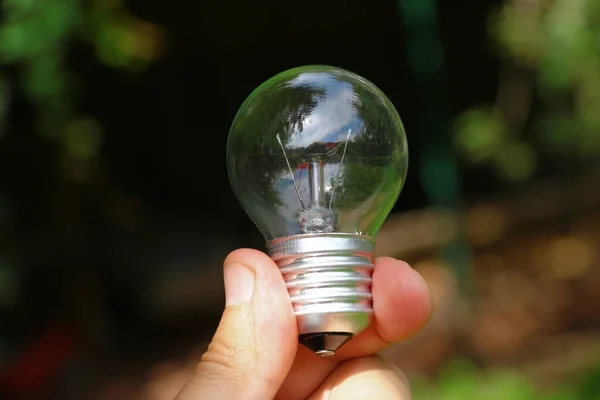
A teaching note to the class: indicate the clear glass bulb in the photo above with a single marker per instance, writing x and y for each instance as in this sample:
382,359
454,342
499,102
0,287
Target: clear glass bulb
318,151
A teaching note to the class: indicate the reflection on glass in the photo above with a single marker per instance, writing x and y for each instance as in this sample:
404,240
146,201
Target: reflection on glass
317,149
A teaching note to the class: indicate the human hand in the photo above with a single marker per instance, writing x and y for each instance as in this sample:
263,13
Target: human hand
255,355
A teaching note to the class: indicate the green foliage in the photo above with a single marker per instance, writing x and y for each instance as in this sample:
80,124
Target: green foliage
462,381
32,37
35,36
558,41
479,132
589,385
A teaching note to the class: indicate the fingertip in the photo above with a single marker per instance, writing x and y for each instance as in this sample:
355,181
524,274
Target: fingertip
271,292
401,299
390,262
251,258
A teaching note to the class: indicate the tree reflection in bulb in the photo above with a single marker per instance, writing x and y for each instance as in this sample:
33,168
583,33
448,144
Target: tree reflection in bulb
317,157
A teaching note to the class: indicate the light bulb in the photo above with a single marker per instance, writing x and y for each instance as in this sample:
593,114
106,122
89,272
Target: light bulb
317,157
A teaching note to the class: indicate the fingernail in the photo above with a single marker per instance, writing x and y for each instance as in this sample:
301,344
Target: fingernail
239,284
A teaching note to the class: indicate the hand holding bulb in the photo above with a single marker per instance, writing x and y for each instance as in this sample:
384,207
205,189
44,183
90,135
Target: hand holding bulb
254,354
317,156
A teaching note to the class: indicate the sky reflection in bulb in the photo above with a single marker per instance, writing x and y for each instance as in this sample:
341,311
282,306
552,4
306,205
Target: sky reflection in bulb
333,117
326,122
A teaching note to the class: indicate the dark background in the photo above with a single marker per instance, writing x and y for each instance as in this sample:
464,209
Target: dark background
110,258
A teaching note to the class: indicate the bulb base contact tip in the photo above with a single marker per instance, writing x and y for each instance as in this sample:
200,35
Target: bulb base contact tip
324,344
328,277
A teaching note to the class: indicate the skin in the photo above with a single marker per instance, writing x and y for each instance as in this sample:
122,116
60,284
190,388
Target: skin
254,353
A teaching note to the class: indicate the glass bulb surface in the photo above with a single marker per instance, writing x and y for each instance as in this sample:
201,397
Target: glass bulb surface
317,149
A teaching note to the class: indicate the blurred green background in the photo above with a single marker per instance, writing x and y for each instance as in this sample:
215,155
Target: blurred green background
116,211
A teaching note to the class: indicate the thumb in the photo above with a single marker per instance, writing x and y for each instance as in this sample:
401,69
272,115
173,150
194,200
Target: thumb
255,343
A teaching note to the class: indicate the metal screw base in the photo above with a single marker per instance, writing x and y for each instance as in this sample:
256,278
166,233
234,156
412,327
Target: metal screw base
328,277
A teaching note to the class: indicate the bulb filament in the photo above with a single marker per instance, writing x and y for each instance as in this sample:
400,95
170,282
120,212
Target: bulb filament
337,178
318,217
291,172
316,181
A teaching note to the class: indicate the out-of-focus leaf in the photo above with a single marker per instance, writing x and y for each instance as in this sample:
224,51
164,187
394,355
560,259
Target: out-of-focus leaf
83,138
558,40
503,385
516,29
564,27
516,161
462,381
19,7
109,46
34,38
478,133
61,17
589,385
558,132
25,35
45,78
